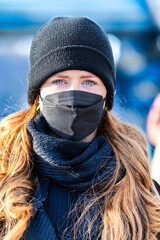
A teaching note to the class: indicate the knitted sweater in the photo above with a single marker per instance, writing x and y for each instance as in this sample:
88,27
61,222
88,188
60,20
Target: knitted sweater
59,202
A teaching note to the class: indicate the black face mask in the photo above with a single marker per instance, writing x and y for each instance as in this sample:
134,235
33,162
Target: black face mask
73,115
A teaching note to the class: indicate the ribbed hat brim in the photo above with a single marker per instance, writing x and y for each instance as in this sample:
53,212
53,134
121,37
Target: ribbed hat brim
69,58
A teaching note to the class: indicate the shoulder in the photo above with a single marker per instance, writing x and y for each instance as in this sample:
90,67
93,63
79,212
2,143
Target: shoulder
157,186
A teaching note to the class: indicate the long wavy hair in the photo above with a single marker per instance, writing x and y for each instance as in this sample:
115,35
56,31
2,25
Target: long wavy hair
131,206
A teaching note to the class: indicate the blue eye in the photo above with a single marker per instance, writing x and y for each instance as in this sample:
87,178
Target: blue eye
58,82
89,83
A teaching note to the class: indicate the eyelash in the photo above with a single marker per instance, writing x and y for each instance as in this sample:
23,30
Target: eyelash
93,83
60,80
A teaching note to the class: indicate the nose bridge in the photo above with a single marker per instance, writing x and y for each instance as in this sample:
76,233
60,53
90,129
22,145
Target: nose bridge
74,84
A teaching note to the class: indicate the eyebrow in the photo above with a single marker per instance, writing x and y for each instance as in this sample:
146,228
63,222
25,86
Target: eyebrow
80,76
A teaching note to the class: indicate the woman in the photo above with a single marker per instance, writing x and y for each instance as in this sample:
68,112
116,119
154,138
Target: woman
69,168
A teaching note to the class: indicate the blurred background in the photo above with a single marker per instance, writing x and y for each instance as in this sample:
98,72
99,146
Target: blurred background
133,27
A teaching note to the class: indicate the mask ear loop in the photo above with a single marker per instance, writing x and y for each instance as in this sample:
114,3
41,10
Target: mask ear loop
105,108
38,104
38,107
40,97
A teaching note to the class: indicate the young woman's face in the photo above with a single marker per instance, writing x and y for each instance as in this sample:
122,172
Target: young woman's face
73,80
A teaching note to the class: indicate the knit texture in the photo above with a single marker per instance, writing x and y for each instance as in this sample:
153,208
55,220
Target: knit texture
53,197
43,225
66,43
66,170
72,164
58,204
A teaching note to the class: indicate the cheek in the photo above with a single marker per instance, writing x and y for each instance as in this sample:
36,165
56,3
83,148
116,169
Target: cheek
101,91
104,92
44,91
51,89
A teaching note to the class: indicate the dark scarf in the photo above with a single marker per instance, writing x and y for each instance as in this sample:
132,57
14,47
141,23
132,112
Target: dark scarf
74,165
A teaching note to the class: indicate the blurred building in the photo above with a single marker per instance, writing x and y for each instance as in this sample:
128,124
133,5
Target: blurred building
132,26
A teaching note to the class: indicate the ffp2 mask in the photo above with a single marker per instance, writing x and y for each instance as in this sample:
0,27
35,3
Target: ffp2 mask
74,114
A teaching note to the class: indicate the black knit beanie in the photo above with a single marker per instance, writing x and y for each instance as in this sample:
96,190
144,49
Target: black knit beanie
66,43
